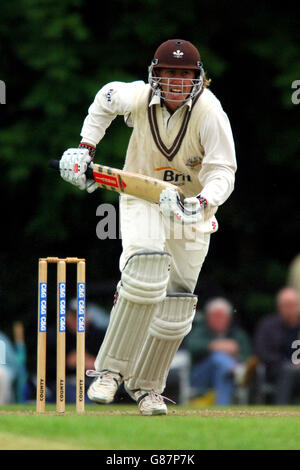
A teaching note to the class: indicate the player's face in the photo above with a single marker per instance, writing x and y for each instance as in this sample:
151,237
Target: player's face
176,84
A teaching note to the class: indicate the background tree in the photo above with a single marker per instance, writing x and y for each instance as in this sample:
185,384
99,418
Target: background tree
55,56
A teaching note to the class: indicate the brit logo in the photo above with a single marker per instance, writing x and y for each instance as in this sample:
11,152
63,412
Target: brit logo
178,54
172,175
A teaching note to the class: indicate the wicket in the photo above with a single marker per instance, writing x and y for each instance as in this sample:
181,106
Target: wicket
61,334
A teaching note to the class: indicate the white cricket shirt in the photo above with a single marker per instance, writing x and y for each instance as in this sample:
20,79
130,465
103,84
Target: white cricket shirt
217,173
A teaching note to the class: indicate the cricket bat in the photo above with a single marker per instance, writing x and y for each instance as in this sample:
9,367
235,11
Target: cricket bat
121,181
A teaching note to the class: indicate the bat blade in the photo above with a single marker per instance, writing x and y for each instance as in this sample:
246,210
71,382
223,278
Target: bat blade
134,184
126,182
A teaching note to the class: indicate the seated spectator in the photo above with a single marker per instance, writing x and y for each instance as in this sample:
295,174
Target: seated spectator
273,345
218,349
8,369
93,337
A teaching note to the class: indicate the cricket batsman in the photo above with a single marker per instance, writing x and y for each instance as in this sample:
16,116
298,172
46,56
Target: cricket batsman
181,134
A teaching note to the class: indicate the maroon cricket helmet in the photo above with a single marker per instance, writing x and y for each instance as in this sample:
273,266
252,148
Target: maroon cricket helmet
177,53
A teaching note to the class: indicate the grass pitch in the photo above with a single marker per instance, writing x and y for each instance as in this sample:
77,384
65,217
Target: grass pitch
122,428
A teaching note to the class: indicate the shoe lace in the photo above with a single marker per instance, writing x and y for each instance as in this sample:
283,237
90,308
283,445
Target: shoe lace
105,376
158,398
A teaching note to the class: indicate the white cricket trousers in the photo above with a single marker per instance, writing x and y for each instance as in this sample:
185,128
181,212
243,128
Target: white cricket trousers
144,228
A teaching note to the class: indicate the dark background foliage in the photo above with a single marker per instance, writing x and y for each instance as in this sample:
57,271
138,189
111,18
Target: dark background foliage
56,54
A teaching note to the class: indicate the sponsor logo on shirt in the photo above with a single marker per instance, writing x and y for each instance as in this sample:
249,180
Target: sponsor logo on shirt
194,161
172,175
108,94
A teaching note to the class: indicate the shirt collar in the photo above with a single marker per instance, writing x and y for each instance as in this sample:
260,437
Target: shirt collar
156,99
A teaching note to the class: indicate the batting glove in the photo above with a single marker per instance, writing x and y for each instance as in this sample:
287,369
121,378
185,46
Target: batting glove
91,185
190,212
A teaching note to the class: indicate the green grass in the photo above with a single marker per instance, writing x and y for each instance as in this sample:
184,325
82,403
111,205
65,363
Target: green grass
121,427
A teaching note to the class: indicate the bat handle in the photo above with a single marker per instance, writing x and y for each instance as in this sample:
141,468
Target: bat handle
55,164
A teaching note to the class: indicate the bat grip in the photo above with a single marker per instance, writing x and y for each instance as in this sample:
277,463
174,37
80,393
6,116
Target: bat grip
55,164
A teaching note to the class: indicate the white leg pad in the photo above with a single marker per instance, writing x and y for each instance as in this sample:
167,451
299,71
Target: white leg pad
142,288
170,325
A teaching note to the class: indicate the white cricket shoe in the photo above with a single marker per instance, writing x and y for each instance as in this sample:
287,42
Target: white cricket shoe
104,387
149,402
